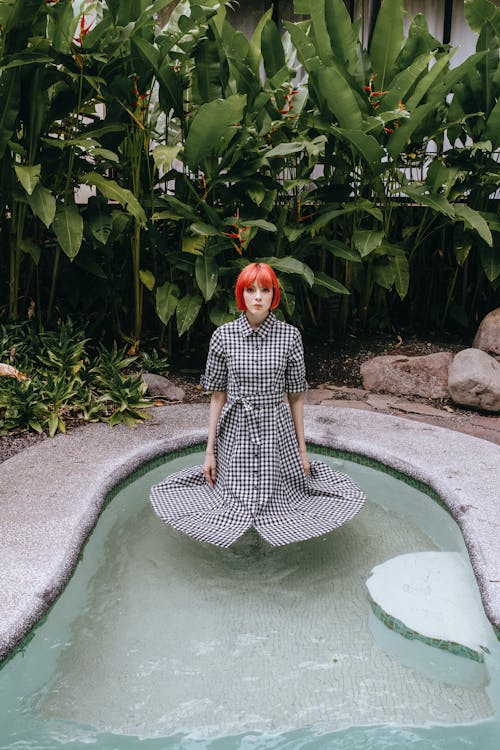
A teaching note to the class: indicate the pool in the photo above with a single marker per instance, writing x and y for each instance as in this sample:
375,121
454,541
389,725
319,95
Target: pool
161,642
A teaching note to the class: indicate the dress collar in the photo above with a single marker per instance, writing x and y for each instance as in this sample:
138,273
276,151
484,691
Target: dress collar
264,328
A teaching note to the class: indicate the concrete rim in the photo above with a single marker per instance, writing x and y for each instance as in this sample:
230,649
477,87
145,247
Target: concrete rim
52,493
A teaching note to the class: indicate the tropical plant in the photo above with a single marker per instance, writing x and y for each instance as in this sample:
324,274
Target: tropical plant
64,380
364,176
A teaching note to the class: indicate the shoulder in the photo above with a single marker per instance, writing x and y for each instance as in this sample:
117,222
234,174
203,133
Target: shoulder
287,330
225,332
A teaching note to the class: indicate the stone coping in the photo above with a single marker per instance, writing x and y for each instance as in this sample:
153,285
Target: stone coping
52,493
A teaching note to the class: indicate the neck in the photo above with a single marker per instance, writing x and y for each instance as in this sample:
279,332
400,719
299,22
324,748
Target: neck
256,320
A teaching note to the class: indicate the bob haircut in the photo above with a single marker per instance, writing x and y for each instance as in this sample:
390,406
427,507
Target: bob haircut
264,275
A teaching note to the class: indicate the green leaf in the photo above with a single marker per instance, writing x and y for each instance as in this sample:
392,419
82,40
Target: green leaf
272,49
147,278
285,149
267,226
53,423
344,39
492,129
98,219
322,279
10,97
290,265
401,273
218,316
106,154
366,145
401,136
149,53
384,274
366,240
403,82
167,298
111,190
28,176
479,12
43,204
199,227
209,125
194,245
337,96
306,51
473,220
490,261
361,205
164,156
492,219
428,81
31,248
207,70
171,89
387,41
207,275
287,297
187,312
254,57
68,228
341,250
436,201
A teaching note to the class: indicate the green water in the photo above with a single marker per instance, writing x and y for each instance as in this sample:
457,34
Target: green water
159,642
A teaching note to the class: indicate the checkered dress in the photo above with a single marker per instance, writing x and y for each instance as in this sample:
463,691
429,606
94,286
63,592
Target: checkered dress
260,479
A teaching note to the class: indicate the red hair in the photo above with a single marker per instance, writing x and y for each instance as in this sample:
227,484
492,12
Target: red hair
264,275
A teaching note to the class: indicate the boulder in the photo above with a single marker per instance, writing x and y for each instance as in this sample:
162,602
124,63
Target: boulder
425,376
159,386
487,337
474,380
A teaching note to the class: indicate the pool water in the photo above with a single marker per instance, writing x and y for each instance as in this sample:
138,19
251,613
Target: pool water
160,642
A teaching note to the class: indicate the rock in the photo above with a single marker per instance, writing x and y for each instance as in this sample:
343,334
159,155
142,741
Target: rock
160,386
474,380
431,597
425,376
487,337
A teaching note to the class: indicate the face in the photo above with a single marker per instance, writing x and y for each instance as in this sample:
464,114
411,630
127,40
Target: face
258,299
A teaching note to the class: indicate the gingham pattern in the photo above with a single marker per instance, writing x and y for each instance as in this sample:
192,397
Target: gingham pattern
260,479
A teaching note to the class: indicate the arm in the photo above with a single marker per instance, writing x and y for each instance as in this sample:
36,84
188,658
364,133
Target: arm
209,466
296,401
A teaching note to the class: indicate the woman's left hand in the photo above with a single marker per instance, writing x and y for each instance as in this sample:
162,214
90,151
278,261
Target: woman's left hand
305,462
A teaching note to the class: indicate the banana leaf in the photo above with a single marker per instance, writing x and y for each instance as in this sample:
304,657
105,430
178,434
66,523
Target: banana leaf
10,100
167,299
43,204
110,189
387,41
68,228
209,125
207,275
187,311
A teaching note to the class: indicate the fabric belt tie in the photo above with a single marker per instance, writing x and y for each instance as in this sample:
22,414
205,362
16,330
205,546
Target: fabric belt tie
251,405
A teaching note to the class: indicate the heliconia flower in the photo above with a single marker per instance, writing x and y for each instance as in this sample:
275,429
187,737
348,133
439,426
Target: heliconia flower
84,30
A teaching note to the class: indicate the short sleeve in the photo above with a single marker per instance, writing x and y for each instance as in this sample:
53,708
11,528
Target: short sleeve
295,373
215,376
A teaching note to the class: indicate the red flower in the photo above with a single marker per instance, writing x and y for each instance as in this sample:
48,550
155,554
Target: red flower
84,30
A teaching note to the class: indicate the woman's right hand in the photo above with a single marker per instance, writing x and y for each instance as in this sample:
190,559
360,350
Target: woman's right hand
210,468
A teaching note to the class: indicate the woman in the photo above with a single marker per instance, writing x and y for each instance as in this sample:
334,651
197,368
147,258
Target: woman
256,472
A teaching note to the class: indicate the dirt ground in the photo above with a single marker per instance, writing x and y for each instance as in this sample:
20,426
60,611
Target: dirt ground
333,373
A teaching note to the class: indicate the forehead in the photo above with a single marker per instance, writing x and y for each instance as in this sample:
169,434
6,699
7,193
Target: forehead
261,281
